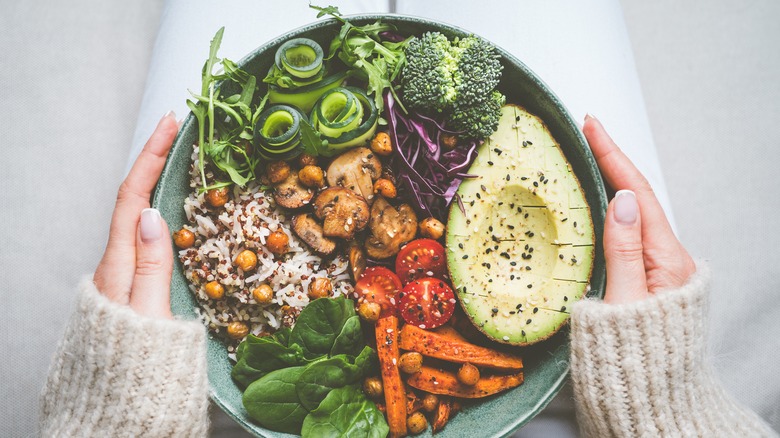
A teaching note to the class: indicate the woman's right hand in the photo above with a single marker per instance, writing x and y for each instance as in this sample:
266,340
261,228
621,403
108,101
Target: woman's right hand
642,253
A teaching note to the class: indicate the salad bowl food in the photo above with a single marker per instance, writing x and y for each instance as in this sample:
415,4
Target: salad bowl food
544,363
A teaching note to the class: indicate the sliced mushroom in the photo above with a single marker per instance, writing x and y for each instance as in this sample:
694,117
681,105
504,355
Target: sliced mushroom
356,169
309,230
290,193
357,260
344,213
390,228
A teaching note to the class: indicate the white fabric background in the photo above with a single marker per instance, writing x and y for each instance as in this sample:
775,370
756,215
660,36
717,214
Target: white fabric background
73,75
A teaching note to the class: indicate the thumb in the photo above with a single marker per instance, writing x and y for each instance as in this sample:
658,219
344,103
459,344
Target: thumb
151,290
626,278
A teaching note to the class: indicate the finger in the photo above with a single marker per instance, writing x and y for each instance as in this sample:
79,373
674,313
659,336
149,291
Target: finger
150,293
626,278
114,274
135,191
621,174
660,243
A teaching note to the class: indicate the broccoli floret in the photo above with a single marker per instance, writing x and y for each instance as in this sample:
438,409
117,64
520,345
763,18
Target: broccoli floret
456,78
480,120
428,78
479,71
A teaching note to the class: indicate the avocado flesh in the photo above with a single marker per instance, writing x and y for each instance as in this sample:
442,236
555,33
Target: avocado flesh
523,252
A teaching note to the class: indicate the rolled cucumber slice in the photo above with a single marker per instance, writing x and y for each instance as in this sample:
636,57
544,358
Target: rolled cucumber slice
277,133
301,57
304,97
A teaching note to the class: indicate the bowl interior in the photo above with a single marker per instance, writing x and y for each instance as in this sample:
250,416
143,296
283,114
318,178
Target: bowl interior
546,364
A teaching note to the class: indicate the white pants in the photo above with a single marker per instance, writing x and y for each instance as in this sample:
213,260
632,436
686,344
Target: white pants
580,49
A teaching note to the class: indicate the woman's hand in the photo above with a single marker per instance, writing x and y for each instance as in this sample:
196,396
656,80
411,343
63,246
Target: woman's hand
137,265
643,255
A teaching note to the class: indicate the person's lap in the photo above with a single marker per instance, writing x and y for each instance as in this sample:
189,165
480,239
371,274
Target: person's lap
581,50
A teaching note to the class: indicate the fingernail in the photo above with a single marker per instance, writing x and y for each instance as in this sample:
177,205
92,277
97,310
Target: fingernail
170,113
150,225
589,116
626,208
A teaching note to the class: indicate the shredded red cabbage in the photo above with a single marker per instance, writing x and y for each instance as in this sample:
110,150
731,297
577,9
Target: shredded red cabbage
426,175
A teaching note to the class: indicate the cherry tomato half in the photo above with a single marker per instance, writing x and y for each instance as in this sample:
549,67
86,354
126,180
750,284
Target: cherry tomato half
379,285
427,303
419,259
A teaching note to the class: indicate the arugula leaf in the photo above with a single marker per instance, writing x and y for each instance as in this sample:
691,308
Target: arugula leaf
225,124
328,10
360,47
313,144
345,412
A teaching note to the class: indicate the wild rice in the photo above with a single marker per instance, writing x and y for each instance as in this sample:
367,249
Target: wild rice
244,223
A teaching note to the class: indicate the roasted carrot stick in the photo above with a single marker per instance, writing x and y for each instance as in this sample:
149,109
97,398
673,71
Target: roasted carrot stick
444,382
395,392
453,349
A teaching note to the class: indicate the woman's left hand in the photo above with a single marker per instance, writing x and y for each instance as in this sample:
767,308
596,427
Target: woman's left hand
136,267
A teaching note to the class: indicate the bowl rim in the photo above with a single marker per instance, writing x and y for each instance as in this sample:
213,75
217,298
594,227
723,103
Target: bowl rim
548,395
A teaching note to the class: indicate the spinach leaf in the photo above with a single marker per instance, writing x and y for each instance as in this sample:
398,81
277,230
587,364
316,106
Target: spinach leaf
345,412
258,356
273,401
350,340
319,324
321,377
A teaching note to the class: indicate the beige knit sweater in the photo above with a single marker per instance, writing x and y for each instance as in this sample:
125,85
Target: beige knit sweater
638,371
117,374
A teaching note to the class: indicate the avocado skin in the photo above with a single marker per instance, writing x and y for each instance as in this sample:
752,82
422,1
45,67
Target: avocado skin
523,253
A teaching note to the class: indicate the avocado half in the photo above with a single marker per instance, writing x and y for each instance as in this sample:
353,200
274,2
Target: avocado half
523,252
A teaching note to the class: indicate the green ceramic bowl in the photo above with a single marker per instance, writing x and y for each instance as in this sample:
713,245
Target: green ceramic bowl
546,364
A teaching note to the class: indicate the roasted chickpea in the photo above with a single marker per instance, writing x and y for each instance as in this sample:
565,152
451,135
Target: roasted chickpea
430,402
306,160
410,362
277,171
277,242
381,144
246,260
263,294
237,330
184,238
214,290
468,374
312,176
369,312
449,141
416,423
217,197
431,228
385,187
372,386
320,288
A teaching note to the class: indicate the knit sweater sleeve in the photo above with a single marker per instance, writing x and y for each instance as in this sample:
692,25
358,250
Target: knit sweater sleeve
117,373
638,370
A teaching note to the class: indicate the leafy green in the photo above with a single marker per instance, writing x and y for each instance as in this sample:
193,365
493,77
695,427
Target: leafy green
321,377
288,374
225,124
319,324
313,144
258,356
350,338
273,400
360,47
345,412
